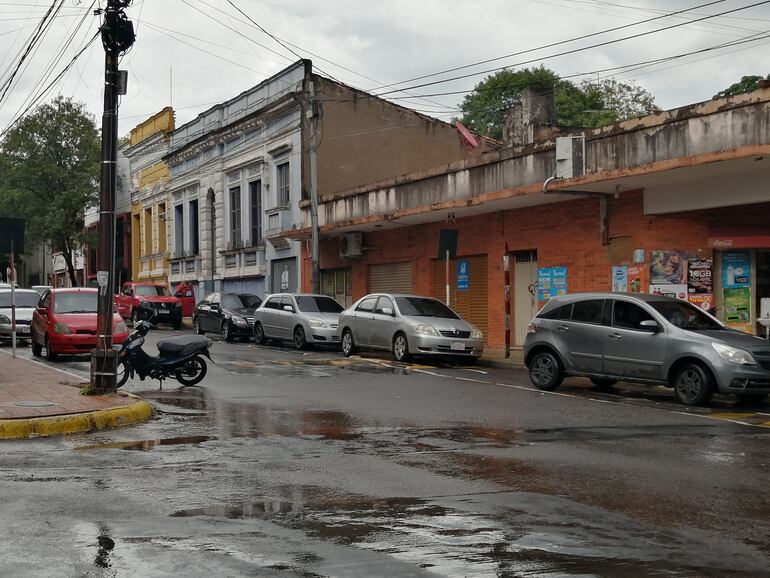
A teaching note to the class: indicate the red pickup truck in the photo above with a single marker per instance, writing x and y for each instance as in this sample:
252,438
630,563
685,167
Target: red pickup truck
169,307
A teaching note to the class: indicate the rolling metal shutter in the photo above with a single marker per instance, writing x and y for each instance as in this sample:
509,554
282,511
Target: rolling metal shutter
391,278
472,303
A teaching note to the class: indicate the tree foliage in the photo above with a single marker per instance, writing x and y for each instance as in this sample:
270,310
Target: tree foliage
745,84
49,169
588,104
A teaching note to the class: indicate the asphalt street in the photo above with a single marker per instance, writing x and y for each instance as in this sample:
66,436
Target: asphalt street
287,463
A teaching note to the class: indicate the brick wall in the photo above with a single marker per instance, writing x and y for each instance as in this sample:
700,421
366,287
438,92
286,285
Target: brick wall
563,233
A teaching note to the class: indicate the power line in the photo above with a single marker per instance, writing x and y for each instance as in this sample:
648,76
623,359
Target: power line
574,50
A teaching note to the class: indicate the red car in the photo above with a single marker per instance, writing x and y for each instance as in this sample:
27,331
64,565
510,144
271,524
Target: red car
65,322
156,295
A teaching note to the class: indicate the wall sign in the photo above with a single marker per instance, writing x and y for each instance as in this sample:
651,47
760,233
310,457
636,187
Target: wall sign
551,281
736,269
463,271
619,279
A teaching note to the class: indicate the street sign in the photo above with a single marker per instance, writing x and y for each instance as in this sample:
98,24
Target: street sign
463,270
11,230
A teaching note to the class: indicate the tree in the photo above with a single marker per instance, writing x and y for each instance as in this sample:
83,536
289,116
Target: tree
745,84
49,167
589,104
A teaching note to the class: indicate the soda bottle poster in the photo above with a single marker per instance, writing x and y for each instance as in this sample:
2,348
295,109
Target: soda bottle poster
736,269
635,280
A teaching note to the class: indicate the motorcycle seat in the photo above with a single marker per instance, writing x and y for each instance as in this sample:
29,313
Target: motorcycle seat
182,346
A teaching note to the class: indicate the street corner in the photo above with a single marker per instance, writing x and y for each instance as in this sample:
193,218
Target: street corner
54,425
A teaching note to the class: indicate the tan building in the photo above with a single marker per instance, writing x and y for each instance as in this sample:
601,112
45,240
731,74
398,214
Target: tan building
148,142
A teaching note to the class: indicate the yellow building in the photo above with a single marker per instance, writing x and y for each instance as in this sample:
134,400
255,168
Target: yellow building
148,143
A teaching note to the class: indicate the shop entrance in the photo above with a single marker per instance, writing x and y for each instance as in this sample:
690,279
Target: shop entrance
524,293
468,294
763,289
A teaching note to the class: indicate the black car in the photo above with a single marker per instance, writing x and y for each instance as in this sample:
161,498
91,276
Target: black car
229,314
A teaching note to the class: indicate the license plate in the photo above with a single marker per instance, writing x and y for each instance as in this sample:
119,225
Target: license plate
22,329
163,312
458,346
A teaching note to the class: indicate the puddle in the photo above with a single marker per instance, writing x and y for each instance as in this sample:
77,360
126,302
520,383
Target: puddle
146,445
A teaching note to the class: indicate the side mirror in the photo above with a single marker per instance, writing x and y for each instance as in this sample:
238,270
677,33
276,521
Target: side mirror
288,308
649,325
387,311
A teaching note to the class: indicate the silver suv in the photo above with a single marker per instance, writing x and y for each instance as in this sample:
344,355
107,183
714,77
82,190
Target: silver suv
610,337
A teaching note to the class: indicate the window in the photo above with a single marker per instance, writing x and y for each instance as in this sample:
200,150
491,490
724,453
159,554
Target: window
147,231
629,316
287,301
283,184
255,198
273,303
179,230
564,313
76,302
367,305
383,303
214,298
589,311
309,304
424,307
685,315
194,228
152,290
235,217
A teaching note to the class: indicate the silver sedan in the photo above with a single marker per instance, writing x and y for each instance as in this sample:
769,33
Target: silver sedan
299,318
408,325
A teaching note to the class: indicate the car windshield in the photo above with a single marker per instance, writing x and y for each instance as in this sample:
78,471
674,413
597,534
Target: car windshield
242,301
685,316
75,302
151,290
22,299
318,304
424,307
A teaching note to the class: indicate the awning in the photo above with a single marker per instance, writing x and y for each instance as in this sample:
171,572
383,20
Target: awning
740,239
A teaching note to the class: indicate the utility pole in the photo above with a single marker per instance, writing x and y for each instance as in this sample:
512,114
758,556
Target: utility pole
117,37
316,270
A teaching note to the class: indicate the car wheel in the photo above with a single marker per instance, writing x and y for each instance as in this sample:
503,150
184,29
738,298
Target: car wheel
401,348
299,338
37,349
693,385
227,331
259,334
348,345
603,383
197,326
50,355
751,398
545,371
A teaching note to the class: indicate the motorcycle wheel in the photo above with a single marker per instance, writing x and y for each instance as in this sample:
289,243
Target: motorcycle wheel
122,374
193,372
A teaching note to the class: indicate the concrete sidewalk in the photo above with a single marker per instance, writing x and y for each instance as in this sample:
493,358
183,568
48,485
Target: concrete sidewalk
37,400
498,360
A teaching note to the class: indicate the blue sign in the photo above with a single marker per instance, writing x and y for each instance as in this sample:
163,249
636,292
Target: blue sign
551,281
736,270
463,270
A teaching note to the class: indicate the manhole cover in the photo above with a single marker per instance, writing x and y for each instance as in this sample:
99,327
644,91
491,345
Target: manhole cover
34,403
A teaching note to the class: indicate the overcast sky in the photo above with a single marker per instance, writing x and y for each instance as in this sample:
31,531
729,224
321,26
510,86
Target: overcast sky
213,53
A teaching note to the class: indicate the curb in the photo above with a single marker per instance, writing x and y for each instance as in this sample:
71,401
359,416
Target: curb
75,423
502,363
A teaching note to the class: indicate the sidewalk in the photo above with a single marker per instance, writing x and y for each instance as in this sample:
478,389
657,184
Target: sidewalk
36,400
498,360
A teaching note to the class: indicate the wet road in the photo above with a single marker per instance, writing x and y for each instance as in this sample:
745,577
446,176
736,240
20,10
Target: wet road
291,464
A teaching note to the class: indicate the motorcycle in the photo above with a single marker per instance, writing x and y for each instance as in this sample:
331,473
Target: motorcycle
180,358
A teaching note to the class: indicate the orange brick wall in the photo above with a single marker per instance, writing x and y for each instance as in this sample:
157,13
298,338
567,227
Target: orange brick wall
564,234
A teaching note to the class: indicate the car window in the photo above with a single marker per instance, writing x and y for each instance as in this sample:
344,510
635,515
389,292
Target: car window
424,307
588,311
23,299
214,298
564,312
685,315
249,300
231,302
273,303
367,305
152,290
79,302
382,303
628,315
287,301
45,300
312,304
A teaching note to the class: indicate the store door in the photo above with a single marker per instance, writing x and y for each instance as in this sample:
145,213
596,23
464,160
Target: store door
469,298
390,278
524,293
338,284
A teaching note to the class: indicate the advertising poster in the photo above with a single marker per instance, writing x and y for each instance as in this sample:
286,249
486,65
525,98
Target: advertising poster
668,290
703,300
699,276
737,308
736,270
635,278
668,267
551,281
619,279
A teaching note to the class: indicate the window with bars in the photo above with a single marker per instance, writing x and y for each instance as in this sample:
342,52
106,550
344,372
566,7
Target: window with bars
255,194
235,217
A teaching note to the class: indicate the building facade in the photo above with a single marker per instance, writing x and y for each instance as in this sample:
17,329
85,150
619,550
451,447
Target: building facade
673,203
240,170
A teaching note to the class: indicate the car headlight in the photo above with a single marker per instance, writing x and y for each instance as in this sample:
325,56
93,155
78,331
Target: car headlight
177,305
5,320
121,327
316,323
733,354
61,328
476,333
238,320
425,330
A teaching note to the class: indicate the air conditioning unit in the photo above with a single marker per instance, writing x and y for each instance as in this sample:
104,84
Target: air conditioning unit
351,245
570,157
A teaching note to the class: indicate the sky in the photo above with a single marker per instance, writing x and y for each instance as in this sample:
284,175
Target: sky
192,54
